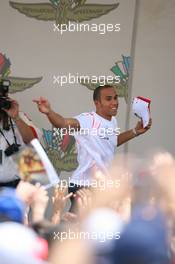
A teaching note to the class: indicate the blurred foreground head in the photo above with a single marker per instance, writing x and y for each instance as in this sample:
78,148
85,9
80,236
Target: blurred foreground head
144,240
19,244
11,206
162,167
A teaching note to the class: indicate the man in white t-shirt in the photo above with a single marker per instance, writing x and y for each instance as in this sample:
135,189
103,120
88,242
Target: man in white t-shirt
96,133
96,141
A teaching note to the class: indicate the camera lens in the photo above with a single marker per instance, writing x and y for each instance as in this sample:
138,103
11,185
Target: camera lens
4,103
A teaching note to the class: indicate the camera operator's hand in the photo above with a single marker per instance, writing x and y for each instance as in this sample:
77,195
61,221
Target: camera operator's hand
13,112
25,130
43,105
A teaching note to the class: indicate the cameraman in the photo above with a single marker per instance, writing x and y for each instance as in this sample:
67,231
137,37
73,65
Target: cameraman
14,132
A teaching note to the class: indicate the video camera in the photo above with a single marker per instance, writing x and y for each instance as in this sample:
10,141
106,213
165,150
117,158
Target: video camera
4,88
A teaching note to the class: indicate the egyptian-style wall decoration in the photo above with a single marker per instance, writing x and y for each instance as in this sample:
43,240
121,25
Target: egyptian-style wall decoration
63,11
18,84
60,150
121,69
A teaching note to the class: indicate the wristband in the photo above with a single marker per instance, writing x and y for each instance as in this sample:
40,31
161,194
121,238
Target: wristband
135,132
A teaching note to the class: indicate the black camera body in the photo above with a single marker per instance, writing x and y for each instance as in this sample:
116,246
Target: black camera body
12,149
4,88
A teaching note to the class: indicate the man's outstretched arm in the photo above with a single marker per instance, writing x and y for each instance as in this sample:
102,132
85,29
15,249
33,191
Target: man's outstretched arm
55,119
130,134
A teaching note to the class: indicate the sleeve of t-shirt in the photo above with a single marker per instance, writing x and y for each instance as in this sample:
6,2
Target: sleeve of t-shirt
85,120
19,137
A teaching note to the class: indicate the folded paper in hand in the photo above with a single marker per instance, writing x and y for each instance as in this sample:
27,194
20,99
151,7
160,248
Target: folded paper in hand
141,108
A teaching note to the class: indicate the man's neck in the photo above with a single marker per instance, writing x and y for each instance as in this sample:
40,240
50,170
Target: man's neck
104,116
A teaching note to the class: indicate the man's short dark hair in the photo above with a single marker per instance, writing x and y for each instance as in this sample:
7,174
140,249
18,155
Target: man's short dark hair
97,91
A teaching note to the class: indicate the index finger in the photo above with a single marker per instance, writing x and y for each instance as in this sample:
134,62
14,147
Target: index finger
36,100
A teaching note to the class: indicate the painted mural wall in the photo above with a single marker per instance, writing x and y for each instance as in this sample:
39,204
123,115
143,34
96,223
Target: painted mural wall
62,50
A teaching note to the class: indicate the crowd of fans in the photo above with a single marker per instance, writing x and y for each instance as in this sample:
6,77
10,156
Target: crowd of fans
127,218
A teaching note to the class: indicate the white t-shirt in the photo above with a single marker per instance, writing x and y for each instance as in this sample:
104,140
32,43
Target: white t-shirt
96,142
8,169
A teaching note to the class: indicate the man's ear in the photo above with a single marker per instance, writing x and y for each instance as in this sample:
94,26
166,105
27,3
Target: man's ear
96,102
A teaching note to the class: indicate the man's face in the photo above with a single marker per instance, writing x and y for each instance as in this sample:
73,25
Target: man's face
107,105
